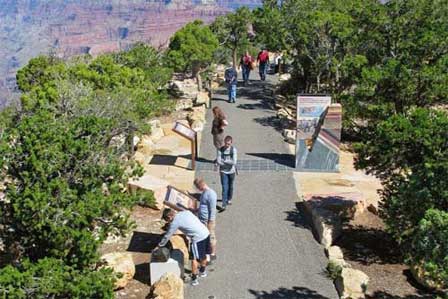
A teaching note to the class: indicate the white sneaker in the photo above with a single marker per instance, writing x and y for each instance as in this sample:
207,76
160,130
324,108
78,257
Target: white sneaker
194,282
203,274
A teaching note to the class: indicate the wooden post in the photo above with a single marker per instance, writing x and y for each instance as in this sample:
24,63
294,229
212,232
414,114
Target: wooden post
193,155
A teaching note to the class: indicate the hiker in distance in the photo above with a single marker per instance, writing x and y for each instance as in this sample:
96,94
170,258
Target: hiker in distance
231,77
227,159
263,62
207,212
197,232
247,64
218,124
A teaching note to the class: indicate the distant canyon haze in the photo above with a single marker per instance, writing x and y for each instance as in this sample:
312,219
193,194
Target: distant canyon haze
66,28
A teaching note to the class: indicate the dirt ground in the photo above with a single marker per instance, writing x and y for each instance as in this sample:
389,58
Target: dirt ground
369,248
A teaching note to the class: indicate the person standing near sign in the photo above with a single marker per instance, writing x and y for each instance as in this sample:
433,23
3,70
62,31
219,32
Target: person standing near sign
218,124
197,232
227,159
207,211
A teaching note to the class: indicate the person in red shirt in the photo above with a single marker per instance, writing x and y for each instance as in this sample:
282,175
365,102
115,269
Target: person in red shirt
246,66
263,61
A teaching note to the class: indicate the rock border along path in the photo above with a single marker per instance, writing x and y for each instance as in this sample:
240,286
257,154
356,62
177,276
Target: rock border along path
265,248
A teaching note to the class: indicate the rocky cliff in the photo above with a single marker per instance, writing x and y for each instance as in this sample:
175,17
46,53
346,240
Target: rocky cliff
70,27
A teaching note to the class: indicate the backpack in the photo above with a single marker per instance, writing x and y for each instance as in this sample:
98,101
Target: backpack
222,150
232,151
264,56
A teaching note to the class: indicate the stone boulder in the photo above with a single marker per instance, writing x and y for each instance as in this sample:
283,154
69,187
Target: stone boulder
184,104
156,185
197,126
335,255
327,226
344,204
187,89
122,263
284,77
179,242
145,146
289,135
197,113
156,130
352,284
169,286
202,98
372,208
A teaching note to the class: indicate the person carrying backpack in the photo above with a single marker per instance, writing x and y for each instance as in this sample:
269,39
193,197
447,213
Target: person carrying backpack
231,77
263,61
227,159
246,64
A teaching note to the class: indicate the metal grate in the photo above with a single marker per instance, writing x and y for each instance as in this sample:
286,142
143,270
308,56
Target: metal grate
252,165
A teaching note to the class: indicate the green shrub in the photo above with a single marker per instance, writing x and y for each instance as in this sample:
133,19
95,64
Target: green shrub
51,278
56,205
408,153
333,270
145,198
429,247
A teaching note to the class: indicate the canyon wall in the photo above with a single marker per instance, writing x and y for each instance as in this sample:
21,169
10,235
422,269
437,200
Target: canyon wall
72,27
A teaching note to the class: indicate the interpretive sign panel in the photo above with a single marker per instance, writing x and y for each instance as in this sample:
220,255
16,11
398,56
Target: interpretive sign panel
185,131
318,133
191,135
179,200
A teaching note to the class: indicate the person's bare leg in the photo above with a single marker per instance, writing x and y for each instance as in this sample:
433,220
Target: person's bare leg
194,267
204,262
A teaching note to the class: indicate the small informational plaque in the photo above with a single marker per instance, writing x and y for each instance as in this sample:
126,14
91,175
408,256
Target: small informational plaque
190,134
184,130
179,200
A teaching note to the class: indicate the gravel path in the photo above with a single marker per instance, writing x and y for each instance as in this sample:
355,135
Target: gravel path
265,249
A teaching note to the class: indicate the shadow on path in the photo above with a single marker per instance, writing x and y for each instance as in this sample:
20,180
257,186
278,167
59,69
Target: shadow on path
299,217
259,105
385,295
294,293
282,159
270,121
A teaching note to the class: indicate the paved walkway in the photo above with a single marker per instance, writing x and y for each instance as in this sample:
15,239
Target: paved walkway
265,249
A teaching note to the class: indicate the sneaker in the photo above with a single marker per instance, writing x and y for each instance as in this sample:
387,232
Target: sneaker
222,209
203,274
229,203
194,282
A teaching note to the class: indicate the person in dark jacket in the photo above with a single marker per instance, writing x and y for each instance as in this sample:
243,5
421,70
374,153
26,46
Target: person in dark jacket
231,77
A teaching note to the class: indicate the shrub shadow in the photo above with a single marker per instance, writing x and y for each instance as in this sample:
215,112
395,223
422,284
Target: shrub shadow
294,293
299,216
369,245
270,121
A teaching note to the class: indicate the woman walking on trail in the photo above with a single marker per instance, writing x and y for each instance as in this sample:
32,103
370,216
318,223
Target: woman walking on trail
246,64
218,124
